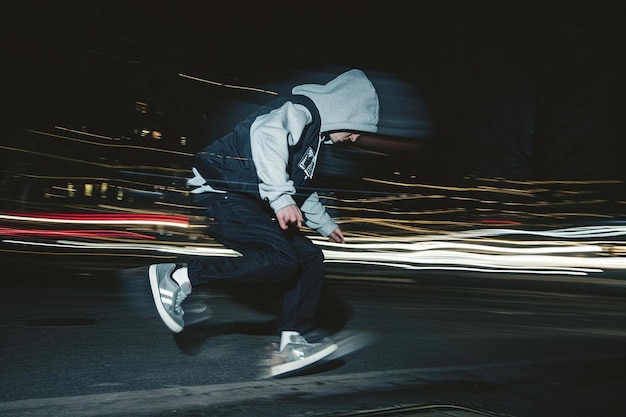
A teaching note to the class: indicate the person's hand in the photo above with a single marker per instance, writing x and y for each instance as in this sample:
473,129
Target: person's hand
337,236
289,215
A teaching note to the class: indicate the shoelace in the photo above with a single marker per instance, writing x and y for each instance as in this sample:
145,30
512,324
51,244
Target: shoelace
298,340
180,297
301,341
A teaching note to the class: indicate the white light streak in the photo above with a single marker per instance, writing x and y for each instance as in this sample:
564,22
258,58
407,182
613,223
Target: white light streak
473,269
499,250
122,221
423,246
186,250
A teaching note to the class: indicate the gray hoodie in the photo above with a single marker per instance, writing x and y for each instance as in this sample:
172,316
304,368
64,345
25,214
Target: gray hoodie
347,103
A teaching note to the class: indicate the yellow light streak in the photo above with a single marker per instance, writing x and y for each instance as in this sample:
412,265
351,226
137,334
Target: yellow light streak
98,164
111,145
550,182
527,193
232,86
81,132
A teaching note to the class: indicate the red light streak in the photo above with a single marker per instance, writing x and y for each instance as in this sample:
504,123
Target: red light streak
6,231
173,220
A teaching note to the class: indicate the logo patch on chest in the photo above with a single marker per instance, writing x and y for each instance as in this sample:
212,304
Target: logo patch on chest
307,162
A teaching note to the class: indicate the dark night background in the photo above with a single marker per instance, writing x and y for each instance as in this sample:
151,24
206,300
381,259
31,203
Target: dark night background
517,89
485,223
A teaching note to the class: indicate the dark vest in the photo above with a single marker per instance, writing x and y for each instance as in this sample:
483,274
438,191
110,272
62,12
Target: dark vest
227,163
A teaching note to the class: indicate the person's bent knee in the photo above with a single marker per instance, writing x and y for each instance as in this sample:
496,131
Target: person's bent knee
286,265
312,256
317,255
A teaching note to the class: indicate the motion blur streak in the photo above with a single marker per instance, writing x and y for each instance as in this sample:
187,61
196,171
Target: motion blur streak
103,219
6,231
450,188
476,269
490,225
110,145
576,251
459,251
90,163
237,87
571,232
434,245
118,246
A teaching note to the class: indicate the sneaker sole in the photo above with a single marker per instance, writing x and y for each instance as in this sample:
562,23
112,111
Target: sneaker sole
302,363
156,295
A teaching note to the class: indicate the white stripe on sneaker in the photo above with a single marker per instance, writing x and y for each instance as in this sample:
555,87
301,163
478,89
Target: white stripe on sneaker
167,293
163,299
167,297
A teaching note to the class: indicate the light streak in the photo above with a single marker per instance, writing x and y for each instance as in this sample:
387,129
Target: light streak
571,232
395,212
550,182
118,246
80,132
98,164
93,234
109,145
232,86
469,269
103,219
452,252
434,245
391,234
513,191
456,258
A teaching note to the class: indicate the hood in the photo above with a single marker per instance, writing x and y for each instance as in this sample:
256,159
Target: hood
346,103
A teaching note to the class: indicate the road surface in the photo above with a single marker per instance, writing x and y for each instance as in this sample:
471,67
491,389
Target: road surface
443,344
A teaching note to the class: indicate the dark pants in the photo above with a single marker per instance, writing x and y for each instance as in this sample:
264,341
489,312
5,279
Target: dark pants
270,255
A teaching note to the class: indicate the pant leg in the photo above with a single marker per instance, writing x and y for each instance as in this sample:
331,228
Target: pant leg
241,223
301,302
269,254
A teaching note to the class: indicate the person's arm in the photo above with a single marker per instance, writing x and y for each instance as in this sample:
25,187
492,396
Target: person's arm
337,236
318,219
271,135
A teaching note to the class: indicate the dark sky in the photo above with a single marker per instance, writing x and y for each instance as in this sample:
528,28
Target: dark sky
406,36
530,88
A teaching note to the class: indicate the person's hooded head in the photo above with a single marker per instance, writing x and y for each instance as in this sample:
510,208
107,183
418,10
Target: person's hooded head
348,103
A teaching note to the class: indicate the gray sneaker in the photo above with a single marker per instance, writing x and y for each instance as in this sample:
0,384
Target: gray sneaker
296,353
168,296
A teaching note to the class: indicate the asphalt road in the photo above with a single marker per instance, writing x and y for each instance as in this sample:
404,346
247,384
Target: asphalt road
73,345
